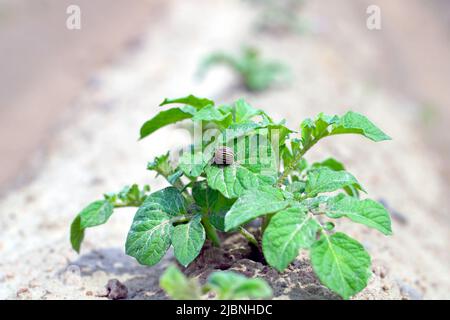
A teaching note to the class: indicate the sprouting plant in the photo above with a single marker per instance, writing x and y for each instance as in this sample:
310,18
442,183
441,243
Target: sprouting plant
256,73
280,16
225,285
263,175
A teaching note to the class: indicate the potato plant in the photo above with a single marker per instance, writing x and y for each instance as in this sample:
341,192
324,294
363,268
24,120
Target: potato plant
280,16
256,73
266,178
223,285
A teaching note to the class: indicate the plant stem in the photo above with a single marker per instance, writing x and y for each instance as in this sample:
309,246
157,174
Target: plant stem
250,237
211,232
322,229
265,222
286,172
295,162
127,205
183,218
180,186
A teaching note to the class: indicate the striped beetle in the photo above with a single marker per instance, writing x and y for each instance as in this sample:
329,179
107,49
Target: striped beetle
223,156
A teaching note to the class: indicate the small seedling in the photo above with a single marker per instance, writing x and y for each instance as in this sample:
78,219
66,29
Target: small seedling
223,285
256,73
280,16
263,175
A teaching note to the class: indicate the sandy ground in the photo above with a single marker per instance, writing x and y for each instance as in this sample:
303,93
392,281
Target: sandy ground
44,66
96,151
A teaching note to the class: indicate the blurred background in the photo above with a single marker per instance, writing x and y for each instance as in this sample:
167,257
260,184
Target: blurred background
72,102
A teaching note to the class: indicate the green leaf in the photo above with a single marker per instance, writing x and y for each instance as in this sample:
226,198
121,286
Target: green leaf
248,140
307,127
217,219
233,180
130,196
165,118
212,202
192,163
130,193
244,112
226,108
96,213
255,165
322,124
330,163
286,155
296,187
230,285
76,234
210,113
149,236
289,154
353,122
341,263
316,129
204,196
209,199
237,130
168,200
280,130
188,240
151,231
255,203
367,212
335,165
288,231
178,286
197,103
261,161
314,203
161,165
326,180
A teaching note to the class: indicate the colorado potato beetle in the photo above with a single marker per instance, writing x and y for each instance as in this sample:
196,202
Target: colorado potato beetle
223,156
